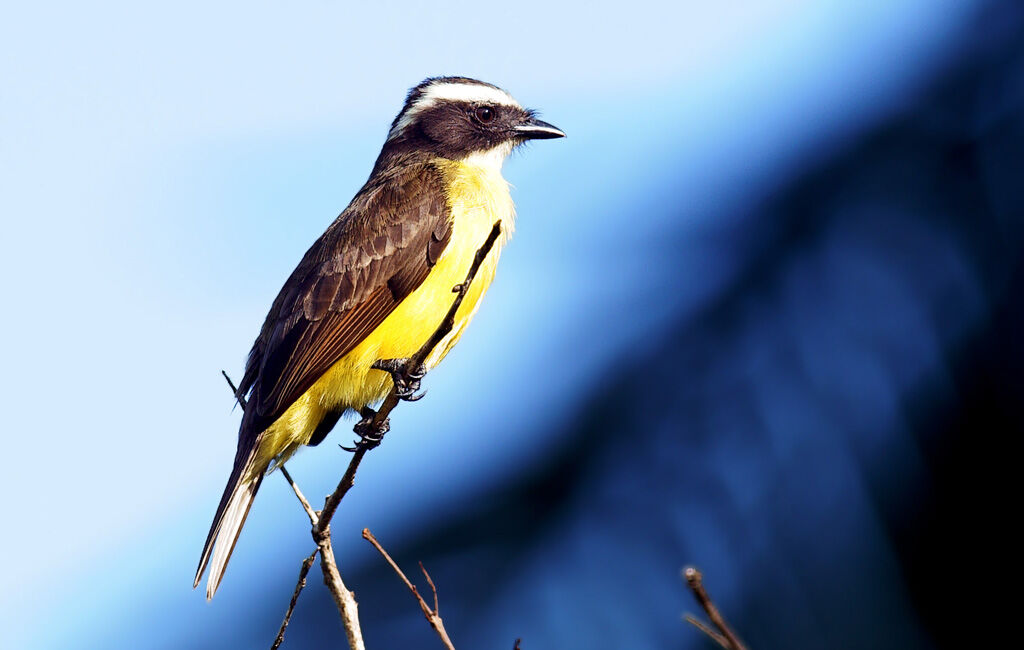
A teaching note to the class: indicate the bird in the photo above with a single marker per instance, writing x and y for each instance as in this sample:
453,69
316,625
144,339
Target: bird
376,285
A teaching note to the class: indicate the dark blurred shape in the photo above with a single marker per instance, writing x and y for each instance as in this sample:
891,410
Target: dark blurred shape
829,439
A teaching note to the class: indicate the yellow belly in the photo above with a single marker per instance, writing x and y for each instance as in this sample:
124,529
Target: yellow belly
477,197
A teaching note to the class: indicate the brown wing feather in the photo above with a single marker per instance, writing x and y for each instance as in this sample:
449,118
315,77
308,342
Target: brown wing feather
373,255
376,253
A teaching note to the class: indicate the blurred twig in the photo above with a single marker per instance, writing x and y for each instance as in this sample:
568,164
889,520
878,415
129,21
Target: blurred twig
303,572
432,615
727,639
321,520
715,636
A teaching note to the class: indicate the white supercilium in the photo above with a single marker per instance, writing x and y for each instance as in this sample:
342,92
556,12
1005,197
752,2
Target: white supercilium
441,91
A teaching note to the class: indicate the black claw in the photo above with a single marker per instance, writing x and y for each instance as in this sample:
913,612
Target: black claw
407,383
407,389
369,435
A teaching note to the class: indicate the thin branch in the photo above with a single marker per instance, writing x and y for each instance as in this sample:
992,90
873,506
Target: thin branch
313,518
432,615
321,522
344,599
437,608
391,401
303,572
516,646
234,391
728,638
700,625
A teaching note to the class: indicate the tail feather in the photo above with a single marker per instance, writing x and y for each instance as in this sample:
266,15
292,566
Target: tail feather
227,524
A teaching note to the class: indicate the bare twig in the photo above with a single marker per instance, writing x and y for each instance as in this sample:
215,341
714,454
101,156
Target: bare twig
432,615
727,639
516,646
303,572
321,521
313,518
715,636
234,391
430,582
344,599
391,401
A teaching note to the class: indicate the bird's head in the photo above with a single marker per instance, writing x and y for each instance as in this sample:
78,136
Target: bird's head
464,119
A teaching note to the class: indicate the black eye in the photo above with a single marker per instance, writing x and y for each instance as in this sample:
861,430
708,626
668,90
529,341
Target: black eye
485,114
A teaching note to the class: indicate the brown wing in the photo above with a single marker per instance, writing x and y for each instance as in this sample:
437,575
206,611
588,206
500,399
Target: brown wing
374,255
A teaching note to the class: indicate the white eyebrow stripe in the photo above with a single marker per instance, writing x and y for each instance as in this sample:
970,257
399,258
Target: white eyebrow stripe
466,93
462,92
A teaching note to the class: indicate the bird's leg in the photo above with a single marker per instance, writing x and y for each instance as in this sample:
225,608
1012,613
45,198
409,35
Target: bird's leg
369,435
407,381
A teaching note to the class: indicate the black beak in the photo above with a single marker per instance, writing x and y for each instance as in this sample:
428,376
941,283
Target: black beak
534,129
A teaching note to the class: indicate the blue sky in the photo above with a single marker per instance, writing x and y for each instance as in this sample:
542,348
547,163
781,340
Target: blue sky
163,168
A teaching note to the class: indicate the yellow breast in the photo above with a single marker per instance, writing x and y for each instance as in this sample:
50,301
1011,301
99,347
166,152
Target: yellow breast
478,196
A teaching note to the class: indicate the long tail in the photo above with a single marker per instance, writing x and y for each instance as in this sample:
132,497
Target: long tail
227,524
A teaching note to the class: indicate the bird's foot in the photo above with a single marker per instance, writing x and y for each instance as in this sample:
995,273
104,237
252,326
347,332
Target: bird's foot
369,435
407,381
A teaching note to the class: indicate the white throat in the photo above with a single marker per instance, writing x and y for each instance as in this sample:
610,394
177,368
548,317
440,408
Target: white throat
490,159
